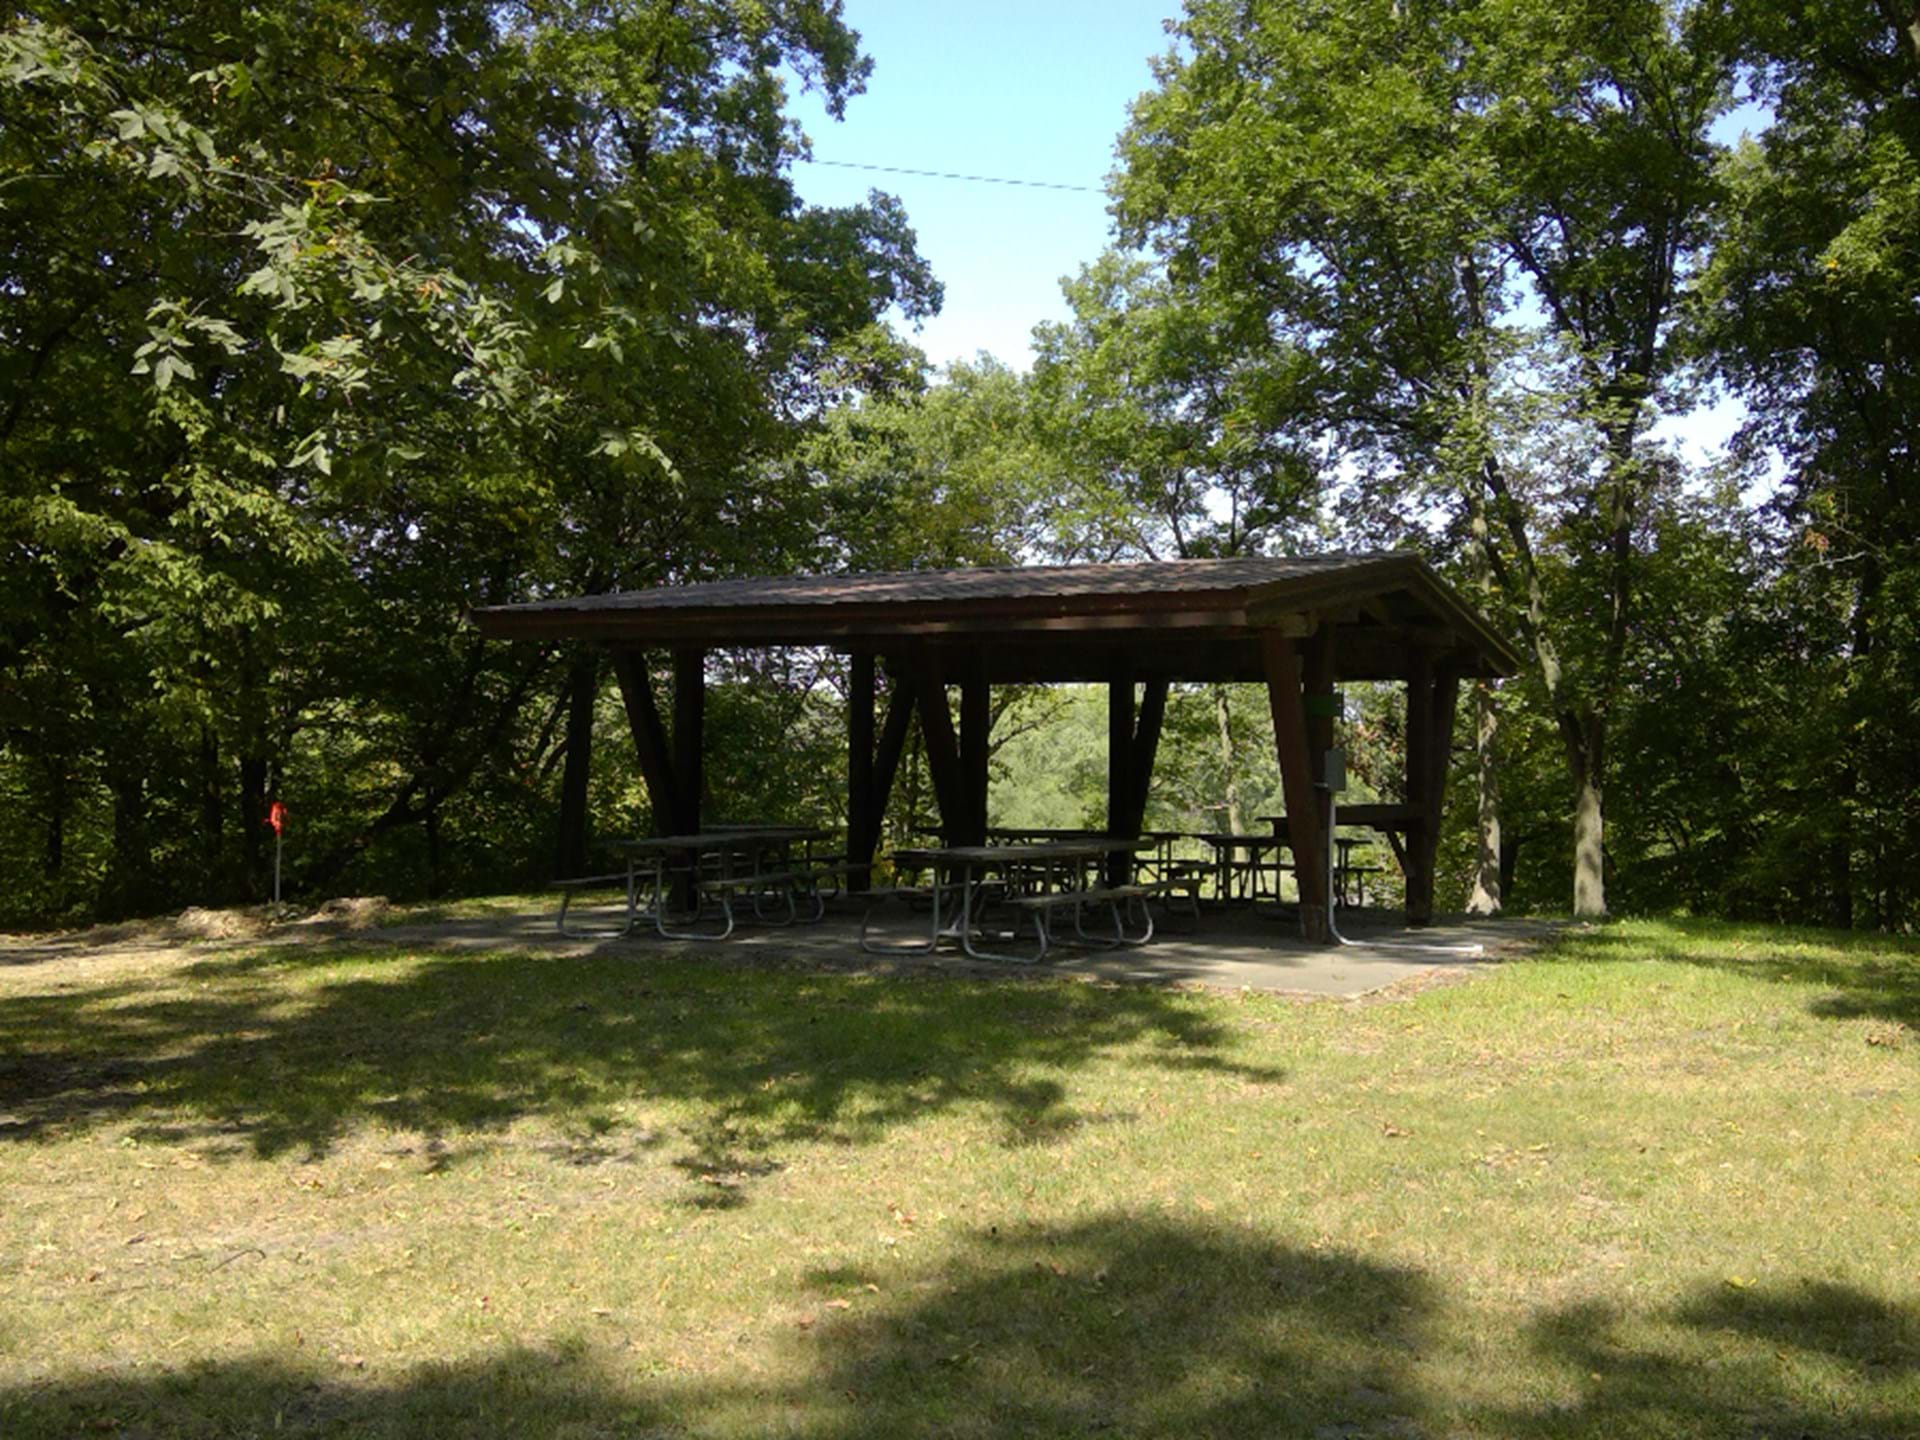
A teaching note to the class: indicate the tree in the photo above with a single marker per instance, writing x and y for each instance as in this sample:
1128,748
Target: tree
1158,416
1808,311
911,474
324,322
1475,220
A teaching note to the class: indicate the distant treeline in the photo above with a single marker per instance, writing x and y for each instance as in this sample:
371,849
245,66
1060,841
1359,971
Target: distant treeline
321,324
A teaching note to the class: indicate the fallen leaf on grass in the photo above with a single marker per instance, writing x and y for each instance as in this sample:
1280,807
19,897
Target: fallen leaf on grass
839,1304
1392,1131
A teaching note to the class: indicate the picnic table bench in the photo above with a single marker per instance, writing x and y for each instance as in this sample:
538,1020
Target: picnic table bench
714,869
1237,877
1037,881
708,861
1349,875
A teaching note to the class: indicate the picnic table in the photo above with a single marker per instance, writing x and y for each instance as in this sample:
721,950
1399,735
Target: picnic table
1035,880
716,869
1233,874
1348,875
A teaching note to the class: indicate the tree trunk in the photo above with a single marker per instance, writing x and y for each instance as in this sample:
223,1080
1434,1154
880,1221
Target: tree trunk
253,824
213,819
54,858
1589,833
583,689
1487,887
127,889
434,854
1223,716
1509,862
1846,807
1839,868
1584,754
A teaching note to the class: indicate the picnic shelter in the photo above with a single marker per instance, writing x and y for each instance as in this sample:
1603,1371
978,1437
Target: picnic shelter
1299,626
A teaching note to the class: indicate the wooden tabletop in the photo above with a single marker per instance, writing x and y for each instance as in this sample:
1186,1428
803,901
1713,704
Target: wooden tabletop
1381,815
720,839
1015,854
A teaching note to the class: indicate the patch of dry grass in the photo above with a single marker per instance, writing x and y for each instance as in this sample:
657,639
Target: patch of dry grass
1660,1180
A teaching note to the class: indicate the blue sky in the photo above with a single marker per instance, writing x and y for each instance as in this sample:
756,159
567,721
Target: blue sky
1027,91
1033,91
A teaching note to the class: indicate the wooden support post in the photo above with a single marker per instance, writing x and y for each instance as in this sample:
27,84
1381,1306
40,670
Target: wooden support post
1316,656
862,825
1119,762
1446,706
1416,863
1305,834
943,752
1146,745
689,747
893,742
582,698
1119,745
649,738
976,720
1317,680
689,726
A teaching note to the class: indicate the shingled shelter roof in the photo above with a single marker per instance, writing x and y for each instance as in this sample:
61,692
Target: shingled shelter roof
1190,619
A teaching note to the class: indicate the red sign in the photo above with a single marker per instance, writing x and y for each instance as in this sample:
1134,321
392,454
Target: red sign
277,817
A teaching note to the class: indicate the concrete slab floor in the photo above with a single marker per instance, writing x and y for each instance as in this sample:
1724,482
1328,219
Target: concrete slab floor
1233,949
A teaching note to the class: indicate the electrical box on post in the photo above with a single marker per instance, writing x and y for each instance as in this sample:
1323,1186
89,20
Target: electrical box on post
1336,780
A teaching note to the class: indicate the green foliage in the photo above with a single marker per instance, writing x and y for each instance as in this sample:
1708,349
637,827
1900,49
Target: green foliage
915,475
1164,423
1808,308
1464,229
321,323
522,300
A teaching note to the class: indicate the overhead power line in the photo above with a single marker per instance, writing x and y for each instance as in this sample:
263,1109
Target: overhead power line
952,175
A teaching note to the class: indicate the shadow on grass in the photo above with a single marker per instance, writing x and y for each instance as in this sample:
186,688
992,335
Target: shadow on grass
1855,974
1125,1325
1853,1355
270,1054
1130,1325
1121,1325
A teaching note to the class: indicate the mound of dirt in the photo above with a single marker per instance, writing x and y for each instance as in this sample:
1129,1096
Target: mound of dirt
355,912
247,923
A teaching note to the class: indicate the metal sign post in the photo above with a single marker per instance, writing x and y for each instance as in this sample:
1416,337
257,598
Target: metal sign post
277,818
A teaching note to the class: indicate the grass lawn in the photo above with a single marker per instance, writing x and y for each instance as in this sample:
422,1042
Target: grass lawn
1661,1180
